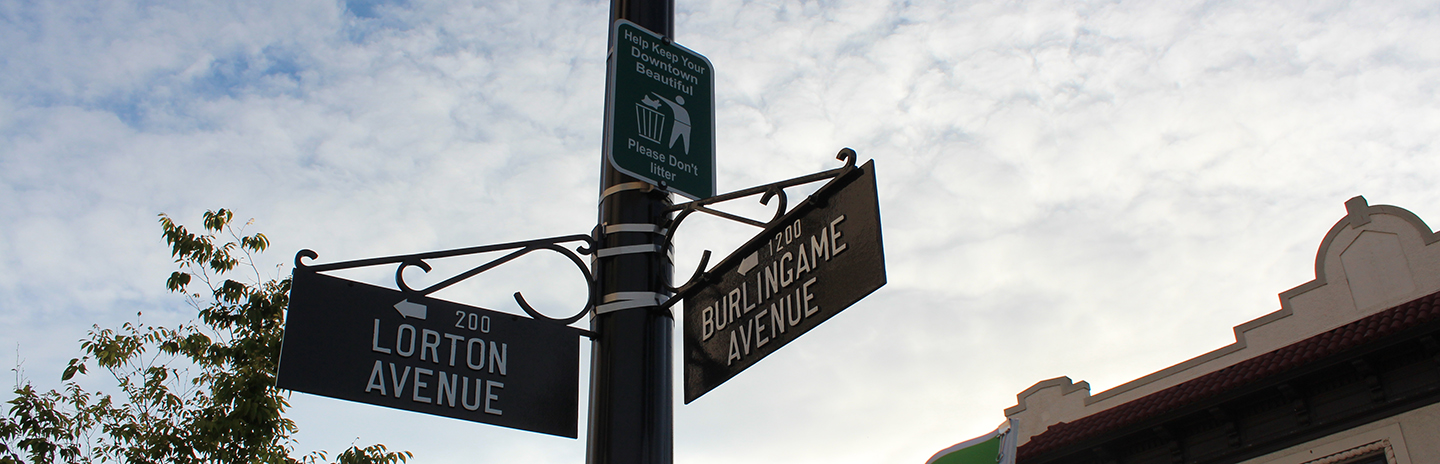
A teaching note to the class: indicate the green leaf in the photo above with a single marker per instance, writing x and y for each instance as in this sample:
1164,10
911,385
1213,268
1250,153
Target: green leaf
76,366
177,281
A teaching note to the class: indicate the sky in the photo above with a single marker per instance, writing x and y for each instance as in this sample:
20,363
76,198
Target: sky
1092,189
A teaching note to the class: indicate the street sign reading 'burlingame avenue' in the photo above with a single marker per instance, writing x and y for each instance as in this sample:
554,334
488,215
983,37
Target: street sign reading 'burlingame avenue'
660,115
374,345
817,260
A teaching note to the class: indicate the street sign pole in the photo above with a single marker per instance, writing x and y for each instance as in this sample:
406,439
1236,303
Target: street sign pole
631,387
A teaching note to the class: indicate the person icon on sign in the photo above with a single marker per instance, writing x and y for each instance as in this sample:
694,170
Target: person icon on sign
681,129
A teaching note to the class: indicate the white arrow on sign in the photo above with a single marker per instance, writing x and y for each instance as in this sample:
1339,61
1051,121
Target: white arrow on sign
749,263
408,309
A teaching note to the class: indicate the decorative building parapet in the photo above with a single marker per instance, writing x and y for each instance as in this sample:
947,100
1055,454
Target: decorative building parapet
1373,258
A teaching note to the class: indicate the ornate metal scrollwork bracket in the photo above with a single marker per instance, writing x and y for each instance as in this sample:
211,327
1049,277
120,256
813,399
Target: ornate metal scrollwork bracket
766,192
517,249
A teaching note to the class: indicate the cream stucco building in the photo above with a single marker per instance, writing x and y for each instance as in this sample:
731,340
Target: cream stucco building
1347,371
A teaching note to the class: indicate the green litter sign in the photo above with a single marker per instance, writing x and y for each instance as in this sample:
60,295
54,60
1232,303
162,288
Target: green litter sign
660,112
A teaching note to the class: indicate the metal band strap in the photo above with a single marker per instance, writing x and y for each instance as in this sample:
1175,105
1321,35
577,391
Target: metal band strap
625,250
643,228
617,188
626,300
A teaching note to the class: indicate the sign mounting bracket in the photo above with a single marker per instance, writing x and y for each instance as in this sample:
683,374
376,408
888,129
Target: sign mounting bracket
517,249
766,192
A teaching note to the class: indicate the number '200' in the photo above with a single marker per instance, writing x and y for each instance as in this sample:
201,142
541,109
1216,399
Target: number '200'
472,321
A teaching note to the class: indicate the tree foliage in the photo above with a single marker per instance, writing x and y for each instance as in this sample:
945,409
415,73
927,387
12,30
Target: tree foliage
202,392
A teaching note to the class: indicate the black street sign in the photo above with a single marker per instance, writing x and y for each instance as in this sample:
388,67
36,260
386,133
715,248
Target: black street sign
819,259
373,345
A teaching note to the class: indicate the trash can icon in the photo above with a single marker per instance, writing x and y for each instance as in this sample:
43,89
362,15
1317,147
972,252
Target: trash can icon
651,122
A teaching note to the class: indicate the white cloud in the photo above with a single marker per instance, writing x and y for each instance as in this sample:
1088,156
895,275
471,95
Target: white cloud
1096,190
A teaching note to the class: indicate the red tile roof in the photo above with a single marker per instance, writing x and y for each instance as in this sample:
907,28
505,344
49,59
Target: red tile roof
1369,329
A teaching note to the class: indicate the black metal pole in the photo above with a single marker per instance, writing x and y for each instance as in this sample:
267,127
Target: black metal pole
631,387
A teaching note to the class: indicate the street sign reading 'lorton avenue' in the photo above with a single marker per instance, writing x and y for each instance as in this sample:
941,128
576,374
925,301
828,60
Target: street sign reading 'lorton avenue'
817,260
660,115
359,342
